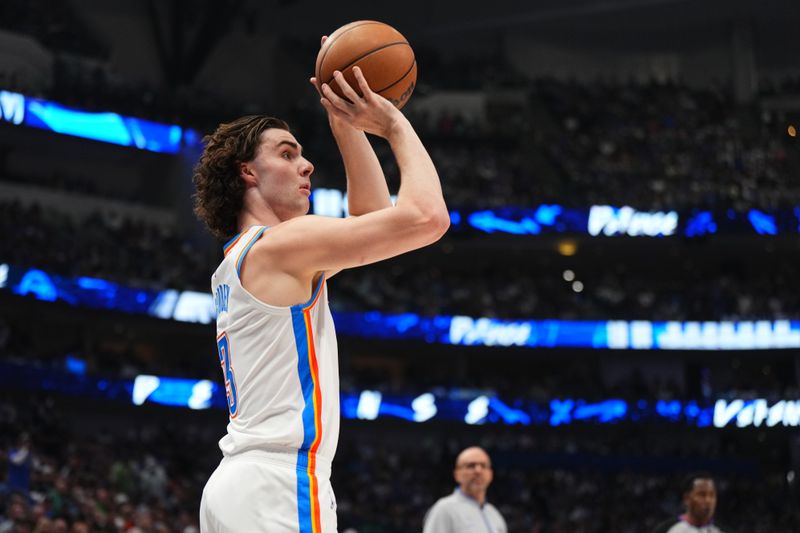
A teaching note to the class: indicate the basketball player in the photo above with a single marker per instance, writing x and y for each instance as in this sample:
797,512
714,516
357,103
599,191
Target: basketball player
700,500
467,509
275,336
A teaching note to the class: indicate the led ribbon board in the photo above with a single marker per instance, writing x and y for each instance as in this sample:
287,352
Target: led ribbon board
596,221
461,405
198,307
105,127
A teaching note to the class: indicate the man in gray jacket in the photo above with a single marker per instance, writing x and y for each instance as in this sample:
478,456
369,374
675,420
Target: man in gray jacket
466,510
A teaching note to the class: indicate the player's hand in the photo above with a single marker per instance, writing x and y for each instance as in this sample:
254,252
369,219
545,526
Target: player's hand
369,112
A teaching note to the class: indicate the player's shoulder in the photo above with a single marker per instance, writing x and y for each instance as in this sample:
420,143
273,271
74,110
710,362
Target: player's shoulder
291,233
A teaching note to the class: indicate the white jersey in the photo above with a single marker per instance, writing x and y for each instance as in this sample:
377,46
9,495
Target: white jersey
281,368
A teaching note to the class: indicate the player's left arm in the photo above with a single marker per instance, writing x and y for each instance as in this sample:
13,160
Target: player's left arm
366,184
367,190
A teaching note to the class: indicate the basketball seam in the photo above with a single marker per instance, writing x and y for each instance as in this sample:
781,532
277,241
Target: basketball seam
413,64
322,61
356,60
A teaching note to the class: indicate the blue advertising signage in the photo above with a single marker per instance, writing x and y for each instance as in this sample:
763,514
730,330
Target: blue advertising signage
200,307
105,127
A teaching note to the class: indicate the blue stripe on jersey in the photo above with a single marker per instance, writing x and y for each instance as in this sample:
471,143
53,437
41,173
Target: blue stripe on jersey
249,245
309,430
230,241
314,294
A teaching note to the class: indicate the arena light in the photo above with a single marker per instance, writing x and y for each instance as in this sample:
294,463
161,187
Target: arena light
567,248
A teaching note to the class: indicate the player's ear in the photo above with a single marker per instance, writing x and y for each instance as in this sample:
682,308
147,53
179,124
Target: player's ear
247,175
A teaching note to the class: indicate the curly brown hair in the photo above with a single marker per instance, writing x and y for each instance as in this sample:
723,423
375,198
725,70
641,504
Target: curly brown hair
220,189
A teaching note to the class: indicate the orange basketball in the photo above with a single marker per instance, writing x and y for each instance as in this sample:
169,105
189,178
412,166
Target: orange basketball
380,51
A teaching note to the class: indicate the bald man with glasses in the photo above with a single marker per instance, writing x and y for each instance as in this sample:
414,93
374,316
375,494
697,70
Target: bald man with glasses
466,510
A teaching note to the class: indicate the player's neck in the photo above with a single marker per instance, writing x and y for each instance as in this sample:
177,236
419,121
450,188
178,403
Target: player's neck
257,217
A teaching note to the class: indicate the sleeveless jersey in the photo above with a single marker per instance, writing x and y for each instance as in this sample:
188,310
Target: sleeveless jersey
280,366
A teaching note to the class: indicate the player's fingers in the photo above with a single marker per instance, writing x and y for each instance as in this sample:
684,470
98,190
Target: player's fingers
335,99
347,90
333,110
322,41
362,83
313,81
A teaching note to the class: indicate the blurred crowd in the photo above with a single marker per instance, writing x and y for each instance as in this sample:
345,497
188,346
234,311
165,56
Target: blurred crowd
684,291
117,248
69,183
63,478
665,146
53,23
657,145
59,479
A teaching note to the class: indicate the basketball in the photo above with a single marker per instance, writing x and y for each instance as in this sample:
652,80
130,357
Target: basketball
380,51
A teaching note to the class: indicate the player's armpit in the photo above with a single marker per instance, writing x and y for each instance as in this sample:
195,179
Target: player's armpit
310,244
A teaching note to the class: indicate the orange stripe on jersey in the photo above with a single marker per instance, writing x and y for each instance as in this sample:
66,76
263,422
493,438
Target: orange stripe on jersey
312,452
316,298
231,245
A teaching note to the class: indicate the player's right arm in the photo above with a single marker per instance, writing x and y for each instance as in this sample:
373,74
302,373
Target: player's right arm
309,244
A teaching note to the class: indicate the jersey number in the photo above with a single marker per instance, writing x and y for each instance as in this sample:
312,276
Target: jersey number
227,372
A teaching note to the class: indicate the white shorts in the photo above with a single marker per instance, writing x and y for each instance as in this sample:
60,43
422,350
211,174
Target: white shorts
263,492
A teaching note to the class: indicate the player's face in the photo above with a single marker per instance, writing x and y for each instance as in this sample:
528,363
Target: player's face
283,175
473,472
701,501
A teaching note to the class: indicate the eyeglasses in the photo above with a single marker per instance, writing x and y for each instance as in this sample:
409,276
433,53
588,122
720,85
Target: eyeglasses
475,464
